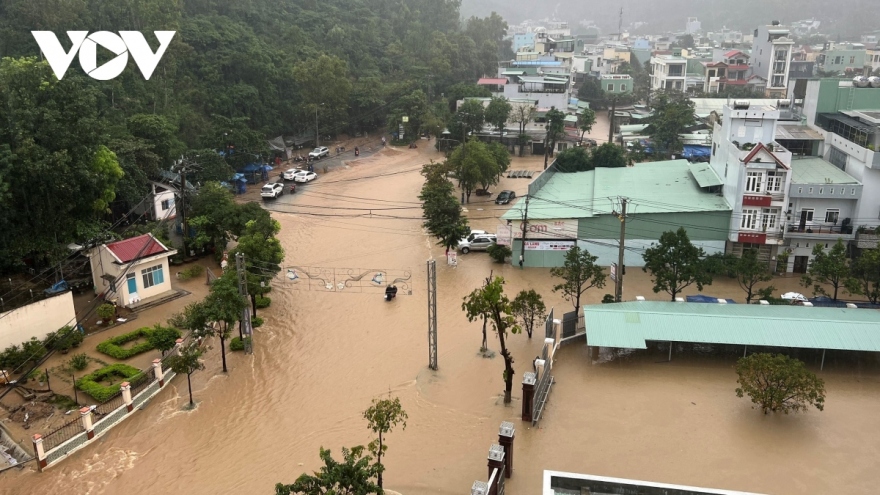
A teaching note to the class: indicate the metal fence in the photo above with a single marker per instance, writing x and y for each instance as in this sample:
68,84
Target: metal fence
142,381
108,406
109,420
62,434
572,324
542,387
548,325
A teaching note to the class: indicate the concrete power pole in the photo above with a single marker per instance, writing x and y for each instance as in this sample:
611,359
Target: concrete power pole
241,271
618,287
432,315
525,222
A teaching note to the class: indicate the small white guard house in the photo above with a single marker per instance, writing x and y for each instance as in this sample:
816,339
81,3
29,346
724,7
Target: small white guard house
131,270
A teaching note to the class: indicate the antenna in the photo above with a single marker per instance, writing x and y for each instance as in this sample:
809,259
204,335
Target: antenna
620,25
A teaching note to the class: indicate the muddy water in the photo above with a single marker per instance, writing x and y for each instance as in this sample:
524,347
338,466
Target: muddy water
321,357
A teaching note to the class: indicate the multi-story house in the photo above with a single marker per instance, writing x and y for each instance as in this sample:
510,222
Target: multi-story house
843,58
771,58
731,70
692,26
669,71
823,201
872,59
755,172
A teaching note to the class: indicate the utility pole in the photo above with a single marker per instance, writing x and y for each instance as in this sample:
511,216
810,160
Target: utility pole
618,287
432,315
241,271
525,222
611,127
183,218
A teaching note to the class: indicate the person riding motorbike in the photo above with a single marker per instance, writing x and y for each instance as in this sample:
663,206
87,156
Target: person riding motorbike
390,292
357,151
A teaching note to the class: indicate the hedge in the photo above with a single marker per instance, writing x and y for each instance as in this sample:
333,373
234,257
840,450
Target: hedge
237,344
263,302
91,385
113,346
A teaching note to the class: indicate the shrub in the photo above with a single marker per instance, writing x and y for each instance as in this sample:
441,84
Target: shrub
237,344
113,346
608,298
66,339
257,322
498,252
263,302
106,311
79,362
191,272
91,383
13,357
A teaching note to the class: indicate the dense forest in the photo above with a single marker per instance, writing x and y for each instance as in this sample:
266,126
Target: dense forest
236,73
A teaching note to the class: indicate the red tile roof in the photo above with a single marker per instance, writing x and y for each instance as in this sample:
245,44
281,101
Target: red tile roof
135,248
732,53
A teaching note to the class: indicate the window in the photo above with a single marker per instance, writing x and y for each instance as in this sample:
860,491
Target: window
800,190
852,59
769,218
811,190
749,219
821,190
777,81
714,147
623,87
725,170
152,276
753,182
838,60
774,181
807,215
837,158
852,191
611,87
166,204
832,215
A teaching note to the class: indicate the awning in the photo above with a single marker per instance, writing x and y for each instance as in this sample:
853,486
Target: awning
704,175
797,132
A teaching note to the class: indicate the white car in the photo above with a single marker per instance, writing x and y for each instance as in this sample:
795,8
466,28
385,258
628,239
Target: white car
305,176
272,190
319,152
480,242
473,234
290,174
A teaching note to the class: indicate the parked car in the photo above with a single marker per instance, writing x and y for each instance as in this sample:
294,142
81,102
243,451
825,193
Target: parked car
305,176
319,152
290,174
480,242
473,234
505,197
272,190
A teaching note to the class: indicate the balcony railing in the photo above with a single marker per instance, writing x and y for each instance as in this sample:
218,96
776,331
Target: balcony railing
843,231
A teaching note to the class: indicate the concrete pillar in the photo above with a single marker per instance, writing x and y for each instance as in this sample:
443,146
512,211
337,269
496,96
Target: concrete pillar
480,488
39,452
86,415
528,387
506,435
549,345
126,396
557,329
539,367
160,375
178,345
496,460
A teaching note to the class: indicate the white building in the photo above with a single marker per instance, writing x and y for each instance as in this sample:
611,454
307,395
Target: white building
669,72
771,58
692,26
131,270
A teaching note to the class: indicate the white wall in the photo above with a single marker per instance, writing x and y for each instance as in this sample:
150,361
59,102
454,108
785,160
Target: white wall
37,319
157,205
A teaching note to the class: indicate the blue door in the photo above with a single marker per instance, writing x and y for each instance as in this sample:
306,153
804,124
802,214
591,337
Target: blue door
132,284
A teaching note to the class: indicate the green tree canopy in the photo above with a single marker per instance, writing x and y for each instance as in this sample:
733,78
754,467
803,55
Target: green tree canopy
498,113
579,274
778,383
188,362
865,277
675,263
478,164
353,476
750,271
673,114
529,309
382,417
441,209
828,267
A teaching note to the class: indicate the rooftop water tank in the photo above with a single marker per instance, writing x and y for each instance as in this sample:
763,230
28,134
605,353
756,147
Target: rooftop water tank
860,82
874,81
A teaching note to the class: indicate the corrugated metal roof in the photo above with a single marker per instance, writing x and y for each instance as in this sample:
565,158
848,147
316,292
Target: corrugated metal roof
817,171
138,247
651,185
704,175
631,324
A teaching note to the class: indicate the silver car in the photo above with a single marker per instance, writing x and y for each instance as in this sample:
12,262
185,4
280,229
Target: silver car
480,242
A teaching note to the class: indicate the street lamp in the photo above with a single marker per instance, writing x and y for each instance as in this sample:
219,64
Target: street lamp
317,136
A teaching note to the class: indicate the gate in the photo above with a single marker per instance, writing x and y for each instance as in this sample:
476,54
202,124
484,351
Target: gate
569,324
548,326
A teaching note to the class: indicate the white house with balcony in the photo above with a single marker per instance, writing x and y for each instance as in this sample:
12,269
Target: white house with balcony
756,172
669,72
823,200
771,58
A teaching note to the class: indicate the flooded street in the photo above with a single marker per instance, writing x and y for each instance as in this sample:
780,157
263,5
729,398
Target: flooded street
322,356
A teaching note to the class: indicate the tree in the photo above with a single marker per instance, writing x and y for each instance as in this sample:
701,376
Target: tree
574,159
188,361
528,308
828,267
750,271
778,383
468,120
163,338
440,208
382,417
223,307
324,87
263,255
212,209
478,164
686,41
555,132
521,114
579,274
586,121
673,114
865,276
353,476
675,263
608,155
497,114
491,303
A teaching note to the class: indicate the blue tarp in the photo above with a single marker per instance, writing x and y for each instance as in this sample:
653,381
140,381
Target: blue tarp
695,151
700,298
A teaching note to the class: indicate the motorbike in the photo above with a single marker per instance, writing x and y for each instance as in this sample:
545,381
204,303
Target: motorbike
390,292
357,152
292,188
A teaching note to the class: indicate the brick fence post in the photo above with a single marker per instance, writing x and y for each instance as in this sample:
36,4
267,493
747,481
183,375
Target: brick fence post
39,452
506,434
86,416
496,461
126,395
178,345
160,375
528,386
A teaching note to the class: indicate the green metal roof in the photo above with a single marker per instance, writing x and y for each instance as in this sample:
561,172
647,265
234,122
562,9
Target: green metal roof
631,324
818,171
705,176
570,118
656,187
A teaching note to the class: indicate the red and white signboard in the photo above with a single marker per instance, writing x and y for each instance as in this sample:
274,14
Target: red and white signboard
549,245
543,229
503,235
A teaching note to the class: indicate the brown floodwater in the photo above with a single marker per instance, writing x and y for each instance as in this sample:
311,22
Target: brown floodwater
321,357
